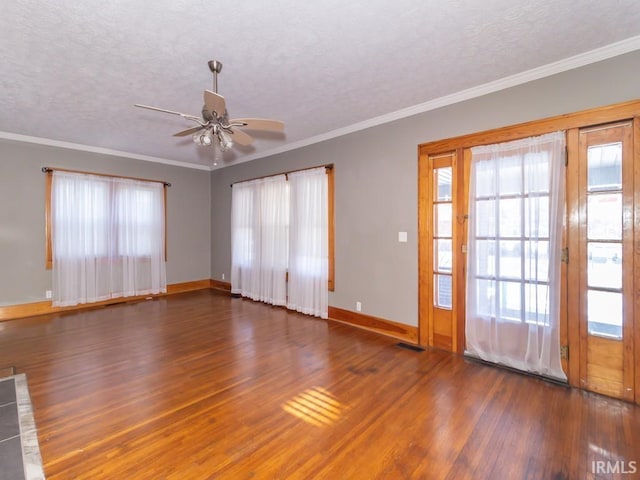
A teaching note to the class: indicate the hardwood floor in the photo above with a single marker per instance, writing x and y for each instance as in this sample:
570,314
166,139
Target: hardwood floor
200,385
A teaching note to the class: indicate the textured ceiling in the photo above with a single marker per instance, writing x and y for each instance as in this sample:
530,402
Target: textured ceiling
71,70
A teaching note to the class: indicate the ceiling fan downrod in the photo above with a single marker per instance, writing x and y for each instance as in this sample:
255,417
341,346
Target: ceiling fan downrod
216,68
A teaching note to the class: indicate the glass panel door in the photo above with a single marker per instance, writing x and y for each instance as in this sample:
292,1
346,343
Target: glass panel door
605,194
442,229
442,237
604,240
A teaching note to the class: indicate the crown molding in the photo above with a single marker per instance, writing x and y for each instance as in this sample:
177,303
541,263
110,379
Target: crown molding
105,151
576,61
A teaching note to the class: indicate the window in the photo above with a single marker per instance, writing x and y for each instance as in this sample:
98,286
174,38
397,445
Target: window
134,200
136,204
243,250
105,237
281,236
308,243
91,213
243,229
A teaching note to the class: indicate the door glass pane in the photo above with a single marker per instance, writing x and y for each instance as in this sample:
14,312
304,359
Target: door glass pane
536,217
536,303
442,255
604,265
510,217
536,172
485,257
604,313
442,219
605,167
485,183
510,259
510,301
485,297
604,217
536,261
486,218
510,175
442,291
442,180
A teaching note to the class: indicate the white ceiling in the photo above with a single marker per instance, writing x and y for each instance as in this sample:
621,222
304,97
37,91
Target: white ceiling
71,70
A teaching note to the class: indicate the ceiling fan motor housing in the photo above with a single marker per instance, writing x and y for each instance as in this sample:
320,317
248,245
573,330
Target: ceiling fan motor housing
215,66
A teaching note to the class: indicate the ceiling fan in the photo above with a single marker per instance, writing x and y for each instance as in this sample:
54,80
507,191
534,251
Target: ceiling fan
215,125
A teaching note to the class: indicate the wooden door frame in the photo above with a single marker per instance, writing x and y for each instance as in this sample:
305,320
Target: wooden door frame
426,252
636,243
572,230
570,123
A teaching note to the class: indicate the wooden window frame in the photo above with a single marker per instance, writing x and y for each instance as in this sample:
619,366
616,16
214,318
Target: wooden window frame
48,255
331,227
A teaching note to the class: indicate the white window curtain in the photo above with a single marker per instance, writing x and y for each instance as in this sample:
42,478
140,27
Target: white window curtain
107,238
308,243
259,238
516,204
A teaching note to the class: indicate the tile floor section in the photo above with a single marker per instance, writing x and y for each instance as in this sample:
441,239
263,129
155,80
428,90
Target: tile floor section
19,452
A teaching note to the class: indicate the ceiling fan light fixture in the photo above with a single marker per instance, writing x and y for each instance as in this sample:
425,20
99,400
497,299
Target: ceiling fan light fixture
224,140
203,139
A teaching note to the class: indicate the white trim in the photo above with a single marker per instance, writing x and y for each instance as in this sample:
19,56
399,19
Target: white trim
580,60
105,151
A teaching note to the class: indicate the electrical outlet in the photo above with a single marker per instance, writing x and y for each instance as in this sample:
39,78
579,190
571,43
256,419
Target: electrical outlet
358,306
48,294
223,276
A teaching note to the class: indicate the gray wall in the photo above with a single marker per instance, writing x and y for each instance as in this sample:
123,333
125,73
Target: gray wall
376,192
23,277
376,180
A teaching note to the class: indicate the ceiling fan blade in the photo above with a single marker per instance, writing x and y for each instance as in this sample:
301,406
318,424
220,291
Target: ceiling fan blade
214,102
183,115
188,131
258,124
240,137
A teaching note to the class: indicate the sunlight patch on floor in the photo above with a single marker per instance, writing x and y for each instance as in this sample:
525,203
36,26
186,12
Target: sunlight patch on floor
315,406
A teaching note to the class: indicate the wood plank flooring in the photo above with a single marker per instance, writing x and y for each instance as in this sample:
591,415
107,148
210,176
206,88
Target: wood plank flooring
201,385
